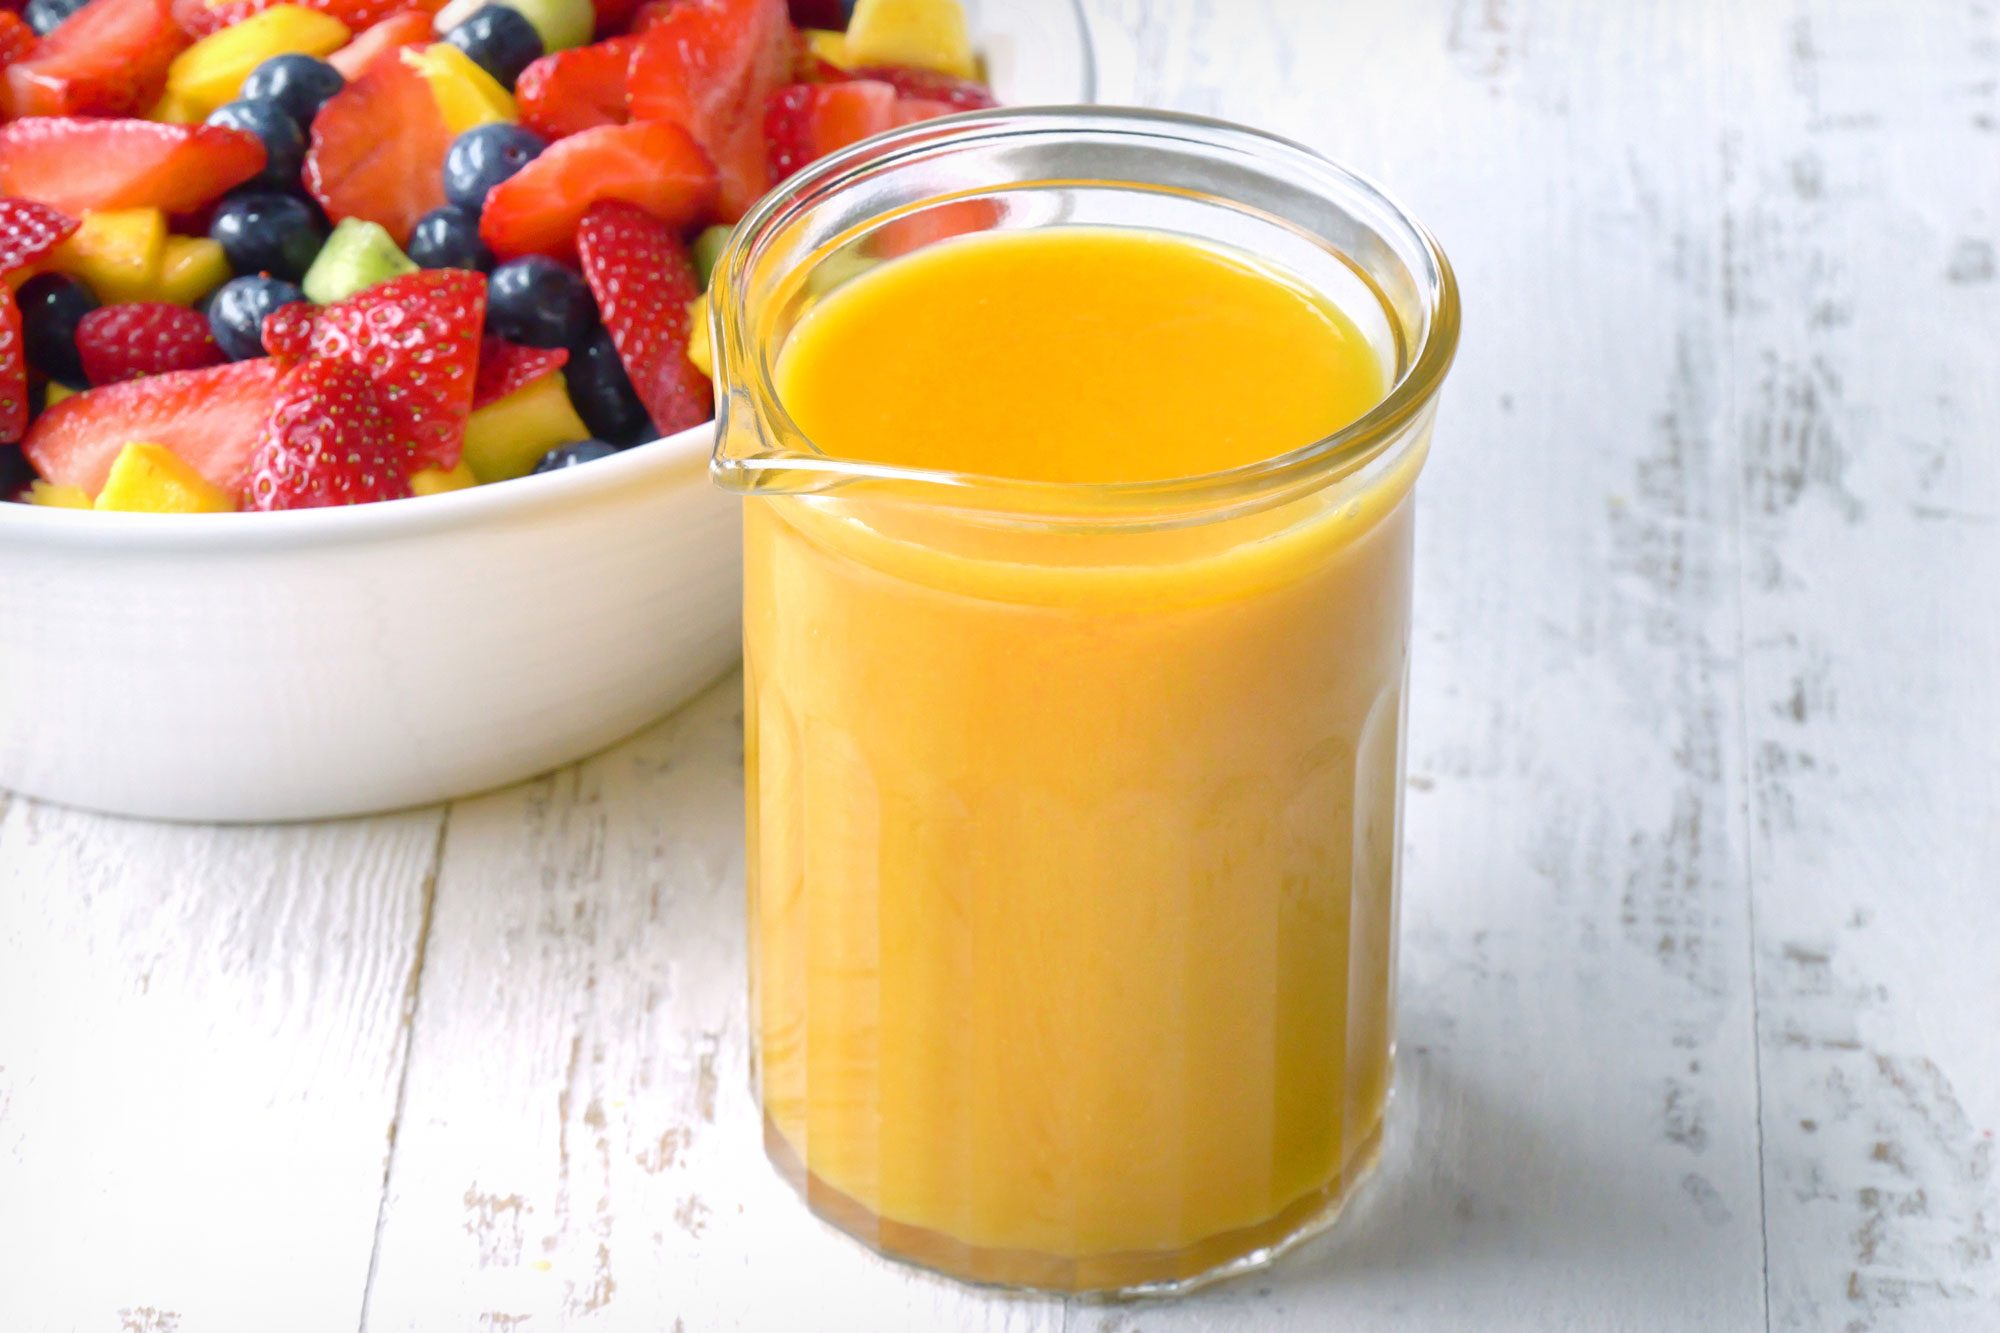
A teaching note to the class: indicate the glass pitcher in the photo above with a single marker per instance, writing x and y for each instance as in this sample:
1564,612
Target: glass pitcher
1074,809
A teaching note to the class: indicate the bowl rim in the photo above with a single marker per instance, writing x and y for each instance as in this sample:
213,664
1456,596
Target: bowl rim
53,526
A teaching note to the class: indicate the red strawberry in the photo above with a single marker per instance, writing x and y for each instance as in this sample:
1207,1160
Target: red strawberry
76,164
644,282
928,85
649,15
710,65
17,39
328,442
910,110
109,58
378,150
202,17
505,367
417,337
13,370
124,342
579,89
656,166
412,27
807,121
288,330
28,231
212,418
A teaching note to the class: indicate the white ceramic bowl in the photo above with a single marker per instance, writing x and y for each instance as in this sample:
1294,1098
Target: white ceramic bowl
338,661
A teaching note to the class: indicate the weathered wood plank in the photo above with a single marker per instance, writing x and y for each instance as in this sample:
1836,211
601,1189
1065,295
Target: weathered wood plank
201,1035
1864,210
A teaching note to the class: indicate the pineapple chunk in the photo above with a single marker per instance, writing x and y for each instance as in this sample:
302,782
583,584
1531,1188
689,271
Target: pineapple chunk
58,497
117,251
928,34
436,481
151,479
507,437
190,268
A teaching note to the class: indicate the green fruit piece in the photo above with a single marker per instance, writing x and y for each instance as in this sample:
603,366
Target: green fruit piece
507,437
562,23
358,255
707,250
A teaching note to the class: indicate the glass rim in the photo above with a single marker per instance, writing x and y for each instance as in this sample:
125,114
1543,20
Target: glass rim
1315,463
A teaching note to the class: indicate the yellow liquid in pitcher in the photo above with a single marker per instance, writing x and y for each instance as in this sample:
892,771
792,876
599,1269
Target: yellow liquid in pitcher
1072,854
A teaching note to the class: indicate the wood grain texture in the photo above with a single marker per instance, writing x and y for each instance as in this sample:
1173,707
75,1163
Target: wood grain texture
201,1036
1701,1027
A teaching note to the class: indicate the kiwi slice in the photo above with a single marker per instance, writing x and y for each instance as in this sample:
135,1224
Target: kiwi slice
358,255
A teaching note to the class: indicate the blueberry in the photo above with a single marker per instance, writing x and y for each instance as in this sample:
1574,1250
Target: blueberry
265,232
296,84
449,238
45,16
284,142
52,305
484,156
602,393
236,313
569,455
499,41
15,470
539,302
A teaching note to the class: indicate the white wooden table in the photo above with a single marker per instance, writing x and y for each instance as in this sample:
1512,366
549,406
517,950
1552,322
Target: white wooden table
1701,1020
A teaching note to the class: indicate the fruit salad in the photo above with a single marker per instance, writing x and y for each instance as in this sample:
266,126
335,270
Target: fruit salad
262,256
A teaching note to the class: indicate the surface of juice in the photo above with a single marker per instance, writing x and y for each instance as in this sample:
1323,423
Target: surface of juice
1073,844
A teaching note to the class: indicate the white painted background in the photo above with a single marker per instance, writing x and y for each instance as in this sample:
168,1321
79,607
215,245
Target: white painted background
1701,1021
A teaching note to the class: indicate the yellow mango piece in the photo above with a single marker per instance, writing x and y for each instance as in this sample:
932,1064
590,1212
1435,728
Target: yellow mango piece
58,497
436,481
829,46
175,109
506,438
151,479
54,392
117,251
467,96
211,71
699,350
929,34
190,268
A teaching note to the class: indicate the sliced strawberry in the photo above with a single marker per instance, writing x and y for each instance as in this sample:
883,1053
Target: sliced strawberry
575,90
202,17
412,27
288,330
656,166
806,121
212,418
28,231
505,367
109,58
124,342
710,65
650,14
927,85
329,442
17,39
75,164
644,282
13,370
378,150
910,110
417,337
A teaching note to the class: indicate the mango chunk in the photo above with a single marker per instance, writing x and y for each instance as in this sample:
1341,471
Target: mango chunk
506,438
699,350
211,71
436,481
117,251
928,34
57,497
190,268
825,44
151,479
467,96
